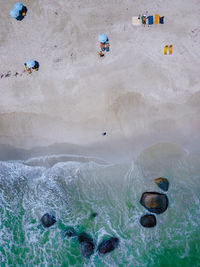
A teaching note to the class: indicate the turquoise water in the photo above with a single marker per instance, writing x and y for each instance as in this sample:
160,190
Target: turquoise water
72,190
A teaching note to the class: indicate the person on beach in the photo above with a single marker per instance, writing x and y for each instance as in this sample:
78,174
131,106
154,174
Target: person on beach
104,44
27,69
102,48
107,47
144,20
22,13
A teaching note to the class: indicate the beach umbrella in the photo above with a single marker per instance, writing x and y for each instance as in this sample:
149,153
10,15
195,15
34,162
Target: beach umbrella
14,13
18,6
103,38
30,63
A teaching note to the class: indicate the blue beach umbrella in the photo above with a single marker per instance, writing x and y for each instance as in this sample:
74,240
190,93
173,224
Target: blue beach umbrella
14,13
30,63
18,6
103,38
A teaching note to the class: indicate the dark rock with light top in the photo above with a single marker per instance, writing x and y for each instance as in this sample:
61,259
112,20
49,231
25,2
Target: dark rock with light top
162,183
154,202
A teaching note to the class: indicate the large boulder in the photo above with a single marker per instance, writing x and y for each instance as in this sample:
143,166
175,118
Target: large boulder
148,220
162,183
154,202
48,220
108,245
86,245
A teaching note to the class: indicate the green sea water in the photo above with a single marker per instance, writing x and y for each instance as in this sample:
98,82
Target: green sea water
72,190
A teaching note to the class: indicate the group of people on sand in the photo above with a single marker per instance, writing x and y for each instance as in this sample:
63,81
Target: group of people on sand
104,44
19,12
104,47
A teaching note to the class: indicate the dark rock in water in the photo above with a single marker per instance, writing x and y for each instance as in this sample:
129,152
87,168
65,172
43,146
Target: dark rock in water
148,220
86,245
108,245
48,220
154,202
94,214
162,183
70,232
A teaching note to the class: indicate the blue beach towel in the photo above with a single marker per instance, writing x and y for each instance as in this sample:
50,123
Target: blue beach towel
150,20
161,20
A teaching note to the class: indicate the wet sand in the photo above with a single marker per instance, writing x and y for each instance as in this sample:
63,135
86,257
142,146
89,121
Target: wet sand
136,94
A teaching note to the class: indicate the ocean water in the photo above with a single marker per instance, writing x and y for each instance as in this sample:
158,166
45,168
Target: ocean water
72,190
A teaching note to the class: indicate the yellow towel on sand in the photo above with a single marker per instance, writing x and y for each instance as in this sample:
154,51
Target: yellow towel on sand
156,19
170,49
165,50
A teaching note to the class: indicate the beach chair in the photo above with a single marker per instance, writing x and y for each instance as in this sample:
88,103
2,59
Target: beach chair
165,49
170,49
150,20
156,19
161,20
136,21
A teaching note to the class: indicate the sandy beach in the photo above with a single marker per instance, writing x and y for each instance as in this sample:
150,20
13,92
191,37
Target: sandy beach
135,94
106,149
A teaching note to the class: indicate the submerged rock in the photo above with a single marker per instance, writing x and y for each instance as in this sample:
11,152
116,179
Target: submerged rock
86,245
108,245
154,202
148,220
48,220
94,214
70,232
162,183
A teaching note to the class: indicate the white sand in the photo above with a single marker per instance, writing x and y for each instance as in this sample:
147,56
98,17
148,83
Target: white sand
135,93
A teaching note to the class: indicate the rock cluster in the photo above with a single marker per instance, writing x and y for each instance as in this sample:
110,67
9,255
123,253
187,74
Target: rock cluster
87,245
154,202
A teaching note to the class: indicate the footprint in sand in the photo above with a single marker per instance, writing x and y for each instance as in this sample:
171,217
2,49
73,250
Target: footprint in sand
9,74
